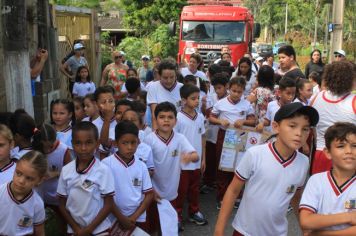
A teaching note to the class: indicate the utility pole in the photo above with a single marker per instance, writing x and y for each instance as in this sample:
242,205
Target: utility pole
337,21
326,36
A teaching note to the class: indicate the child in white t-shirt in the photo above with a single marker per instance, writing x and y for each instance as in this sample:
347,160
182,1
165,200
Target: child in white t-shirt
83,84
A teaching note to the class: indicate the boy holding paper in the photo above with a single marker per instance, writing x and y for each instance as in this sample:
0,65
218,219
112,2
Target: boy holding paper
235,111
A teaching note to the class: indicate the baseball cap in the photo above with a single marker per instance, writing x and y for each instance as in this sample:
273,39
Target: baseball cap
122,53
288,110
78,46
341,52
145,57
259,59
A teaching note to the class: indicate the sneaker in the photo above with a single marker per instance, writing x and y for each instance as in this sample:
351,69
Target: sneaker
290,209
218,205
198,218
237,203
180,227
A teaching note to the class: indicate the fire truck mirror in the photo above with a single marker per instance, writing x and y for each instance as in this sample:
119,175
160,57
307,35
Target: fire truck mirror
172,26
256,30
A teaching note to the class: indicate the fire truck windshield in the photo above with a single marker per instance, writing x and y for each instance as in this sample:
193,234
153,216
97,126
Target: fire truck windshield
217,31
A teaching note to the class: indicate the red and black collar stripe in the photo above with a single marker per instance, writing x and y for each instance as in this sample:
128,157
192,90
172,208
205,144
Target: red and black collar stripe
339,189
189,116
86,170
279,158
171,88
165,141
334,101
28,196
7,166
123,162
66,129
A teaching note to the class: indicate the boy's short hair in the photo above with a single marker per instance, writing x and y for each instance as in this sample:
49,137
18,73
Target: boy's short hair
214,69
166,64
85,126
190,78
125,127
338,131
123,102
287,50
138,106
226,67
132,85
286,82
188,89
220,78
239,81
103,89
165,107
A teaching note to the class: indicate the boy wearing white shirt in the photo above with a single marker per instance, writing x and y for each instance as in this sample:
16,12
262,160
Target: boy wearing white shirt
190,123
271,174
329,198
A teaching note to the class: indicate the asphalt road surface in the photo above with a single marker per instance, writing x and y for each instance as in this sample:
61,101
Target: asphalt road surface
208,208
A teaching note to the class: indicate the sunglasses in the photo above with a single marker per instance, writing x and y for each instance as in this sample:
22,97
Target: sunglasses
118,57
338,55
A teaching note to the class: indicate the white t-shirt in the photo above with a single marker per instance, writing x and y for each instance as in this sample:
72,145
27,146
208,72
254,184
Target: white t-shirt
322,195
249,84
85,191
48,189
270,184
82,89
228,110
272,109
99,124
185,71
7,172
166,158
17,153
132,182
19,217
332,109
192,128
156,94
65,136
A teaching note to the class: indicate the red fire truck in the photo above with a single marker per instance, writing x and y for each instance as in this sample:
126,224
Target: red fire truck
207,26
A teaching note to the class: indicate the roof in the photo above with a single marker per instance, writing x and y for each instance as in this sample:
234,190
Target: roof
112,24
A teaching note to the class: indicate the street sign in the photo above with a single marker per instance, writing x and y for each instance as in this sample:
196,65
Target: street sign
331,27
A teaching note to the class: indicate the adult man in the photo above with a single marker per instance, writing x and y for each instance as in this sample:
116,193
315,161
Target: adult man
340,55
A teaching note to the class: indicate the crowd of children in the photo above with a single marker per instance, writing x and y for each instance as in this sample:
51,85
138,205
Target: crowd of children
106,166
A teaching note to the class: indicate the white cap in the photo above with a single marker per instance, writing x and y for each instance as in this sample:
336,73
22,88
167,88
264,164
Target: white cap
259,59
78,46
341,52
122,53
145,57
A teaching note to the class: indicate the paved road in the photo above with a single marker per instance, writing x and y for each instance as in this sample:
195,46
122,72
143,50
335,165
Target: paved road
208,208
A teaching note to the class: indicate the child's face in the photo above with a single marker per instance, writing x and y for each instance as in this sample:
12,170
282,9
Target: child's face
244,68
292,132
193,64
168,78
192,100
25,178
105,100
120,110
306,91
78,111
226,57
220,90
236,92
287,95
133,117
343,153
60,115
131,74
90,108
84,73
166,120
285,61
5,147
127,145
84,144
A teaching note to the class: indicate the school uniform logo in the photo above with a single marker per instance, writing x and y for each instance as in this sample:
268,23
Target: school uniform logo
136,182
175,153
350,204
291,189
25,221
87,184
